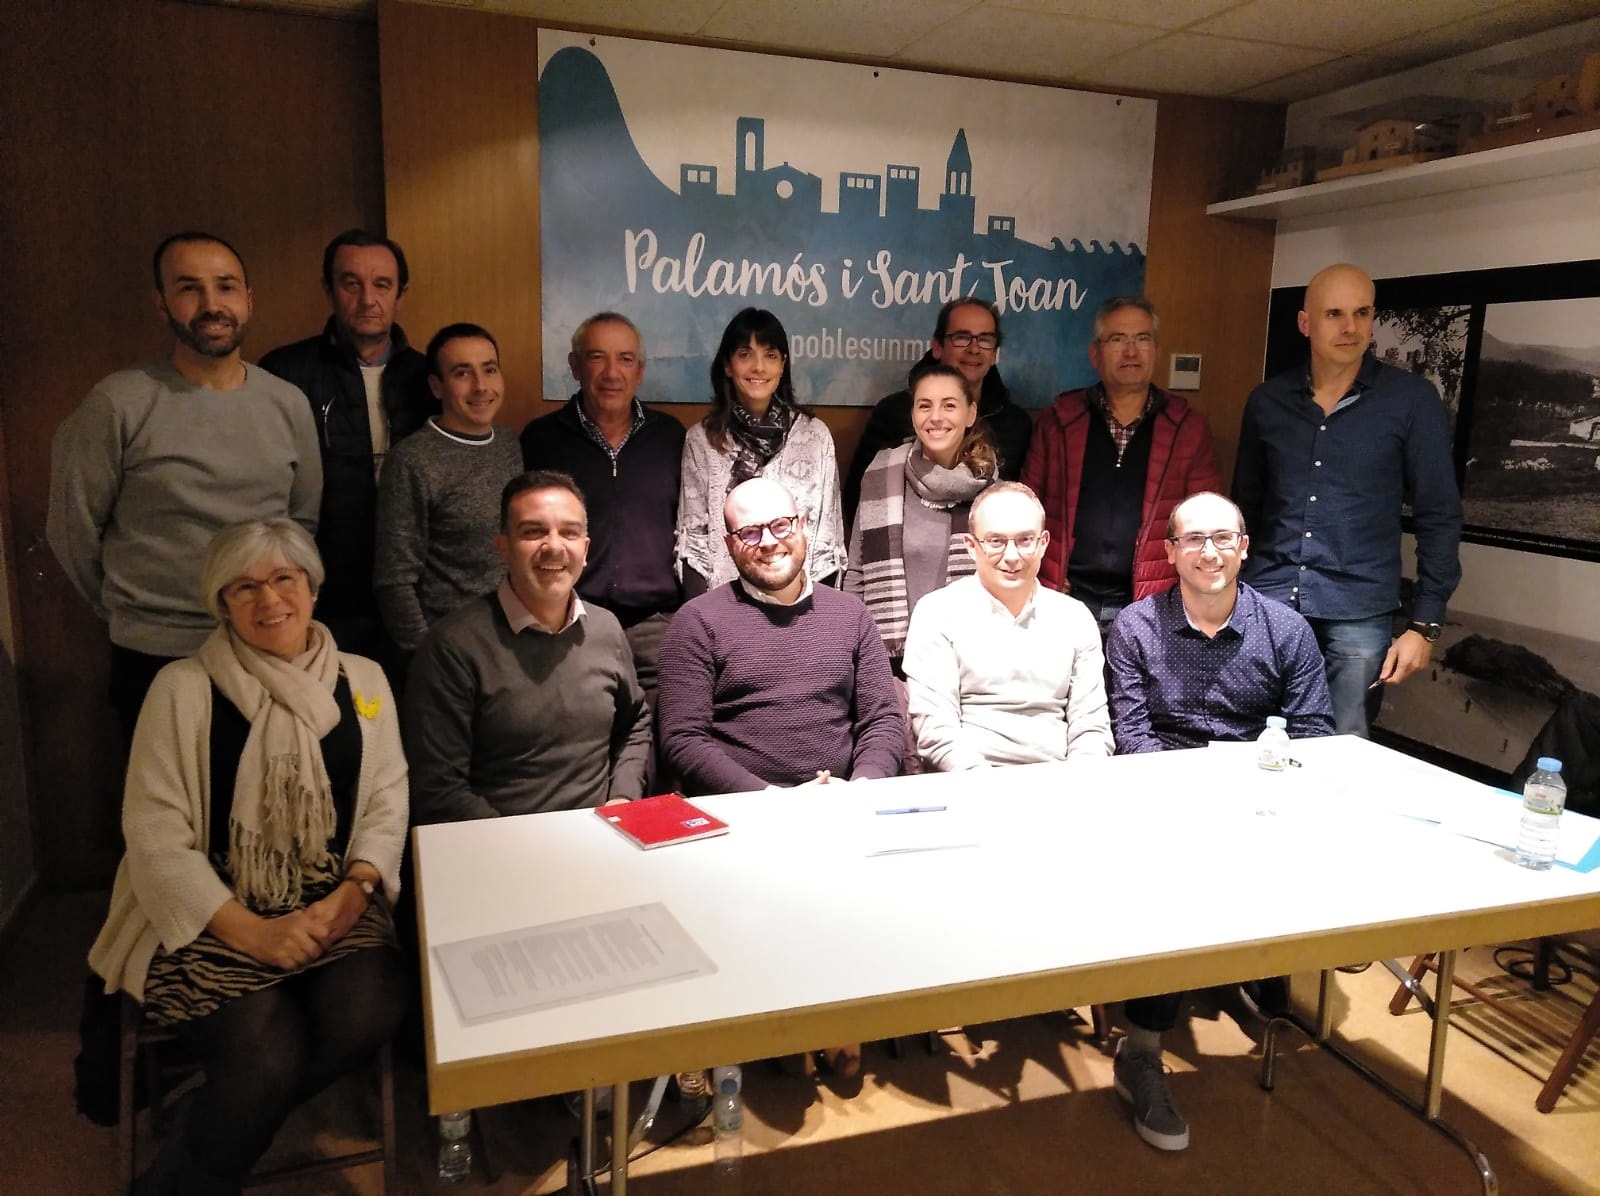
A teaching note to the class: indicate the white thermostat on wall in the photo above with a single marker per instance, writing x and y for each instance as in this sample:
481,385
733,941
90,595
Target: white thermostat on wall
1185,374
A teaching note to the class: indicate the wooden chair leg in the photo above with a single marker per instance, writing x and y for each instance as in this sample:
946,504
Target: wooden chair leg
1570,1058
391,1162
1100,1023
1402,995
127,1119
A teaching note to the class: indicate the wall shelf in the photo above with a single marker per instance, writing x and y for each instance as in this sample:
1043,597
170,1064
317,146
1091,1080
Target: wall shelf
1508,164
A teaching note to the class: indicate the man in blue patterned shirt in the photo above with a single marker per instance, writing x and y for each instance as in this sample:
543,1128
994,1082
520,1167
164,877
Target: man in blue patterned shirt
1208,659
1211,658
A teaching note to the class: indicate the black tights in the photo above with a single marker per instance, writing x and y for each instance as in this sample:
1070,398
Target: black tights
269,1051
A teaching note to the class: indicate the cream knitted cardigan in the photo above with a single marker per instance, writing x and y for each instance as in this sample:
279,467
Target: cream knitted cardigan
166,890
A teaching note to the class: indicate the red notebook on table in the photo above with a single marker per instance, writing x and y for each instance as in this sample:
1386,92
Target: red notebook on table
666,818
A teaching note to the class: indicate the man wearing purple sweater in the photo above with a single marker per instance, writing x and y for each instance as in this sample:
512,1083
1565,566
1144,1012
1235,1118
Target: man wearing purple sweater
770,680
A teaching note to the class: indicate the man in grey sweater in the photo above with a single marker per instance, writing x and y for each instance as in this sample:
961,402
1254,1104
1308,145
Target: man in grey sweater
439,495
525,700
160,457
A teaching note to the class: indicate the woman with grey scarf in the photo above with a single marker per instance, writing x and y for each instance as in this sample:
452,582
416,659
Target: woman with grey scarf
908,537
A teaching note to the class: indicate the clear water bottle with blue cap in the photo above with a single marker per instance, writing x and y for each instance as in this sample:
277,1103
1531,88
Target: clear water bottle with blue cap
1543,799
727,1117
1272,745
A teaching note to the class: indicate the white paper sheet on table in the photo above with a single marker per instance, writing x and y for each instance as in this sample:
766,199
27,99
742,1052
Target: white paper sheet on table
1496,818
536,967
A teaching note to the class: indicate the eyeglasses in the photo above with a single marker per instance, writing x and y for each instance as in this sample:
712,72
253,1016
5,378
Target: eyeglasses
781,528
1195,541
996,545
247,592
987,341
1121,340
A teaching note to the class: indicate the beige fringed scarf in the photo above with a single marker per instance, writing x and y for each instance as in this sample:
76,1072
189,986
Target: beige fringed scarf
283,814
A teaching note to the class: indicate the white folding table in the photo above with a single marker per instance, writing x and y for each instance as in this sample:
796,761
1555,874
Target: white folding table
1080,883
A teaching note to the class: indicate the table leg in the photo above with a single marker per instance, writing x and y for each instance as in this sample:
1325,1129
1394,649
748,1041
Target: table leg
1325,1005
619,1139
1433,1090
1428,1109
586,1137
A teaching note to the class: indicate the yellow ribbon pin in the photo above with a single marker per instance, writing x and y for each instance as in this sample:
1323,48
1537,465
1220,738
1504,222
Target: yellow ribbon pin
368,707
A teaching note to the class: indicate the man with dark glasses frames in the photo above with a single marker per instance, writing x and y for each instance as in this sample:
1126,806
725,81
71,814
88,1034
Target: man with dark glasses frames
771,680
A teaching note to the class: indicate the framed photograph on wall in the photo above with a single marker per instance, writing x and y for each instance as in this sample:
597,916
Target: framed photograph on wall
1515,355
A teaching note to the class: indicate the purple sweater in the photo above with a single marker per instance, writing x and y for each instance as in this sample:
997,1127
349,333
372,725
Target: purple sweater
754,695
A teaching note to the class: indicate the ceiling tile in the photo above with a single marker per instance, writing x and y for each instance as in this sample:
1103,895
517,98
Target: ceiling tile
1010,42
681,17
1157,14
865,28
1323,78
1195,64
1494,28
1342,27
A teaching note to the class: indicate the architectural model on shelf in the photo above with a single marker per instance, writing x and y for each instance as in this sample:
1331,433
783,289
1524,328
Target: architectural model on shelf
1493,116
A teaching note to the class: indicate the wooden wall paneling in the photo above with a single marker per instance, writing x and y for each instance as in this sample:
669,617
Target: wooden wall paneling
1211,279
461,168
126,122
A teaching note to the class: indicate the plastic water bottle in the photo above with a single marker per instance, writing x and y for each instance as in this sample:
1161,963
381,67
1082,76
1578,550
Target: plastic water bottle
1543,799
727,1117
1272,745
455,1147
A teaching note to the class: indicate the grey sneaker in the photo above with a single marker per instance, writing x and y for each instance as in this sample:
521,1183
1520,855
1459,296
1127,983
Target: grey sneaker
1142,1081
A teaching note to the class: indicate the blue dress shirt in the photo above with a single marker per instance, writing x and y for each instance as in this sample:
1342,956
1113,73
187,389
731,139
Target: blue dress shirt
1322,494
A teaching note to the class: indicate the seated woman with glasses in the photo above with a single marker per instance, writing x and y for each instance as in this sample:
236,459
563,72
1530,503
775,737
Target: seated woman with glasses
755,429
909,533
264,814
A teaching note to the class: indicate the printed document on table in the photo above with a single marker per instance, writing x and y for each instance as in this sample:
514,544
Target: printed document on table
538,967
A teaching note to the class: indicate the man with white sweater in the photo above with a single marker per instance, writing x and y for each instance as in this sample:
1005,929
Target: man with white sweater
1000,669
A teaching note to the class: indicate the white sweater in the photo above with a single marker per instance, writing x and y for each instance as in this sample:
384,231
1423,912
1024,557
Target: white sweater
987,688
166,890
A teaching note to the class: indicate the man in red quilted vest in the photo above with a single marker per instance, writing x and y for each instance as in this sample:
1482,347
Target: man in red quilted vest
1110,463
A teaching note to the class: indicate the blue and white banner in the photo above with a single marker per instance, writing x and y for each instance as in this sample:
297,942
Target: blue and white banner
680,184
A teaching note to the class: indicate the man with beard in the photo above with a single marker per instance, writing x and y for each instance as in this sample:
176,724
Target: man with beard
153,463
159,458
524,700
770,681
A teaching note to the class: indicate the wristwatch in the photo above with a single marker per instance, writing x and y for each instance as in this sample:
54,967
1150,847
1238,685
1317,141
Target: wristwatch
1428,631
